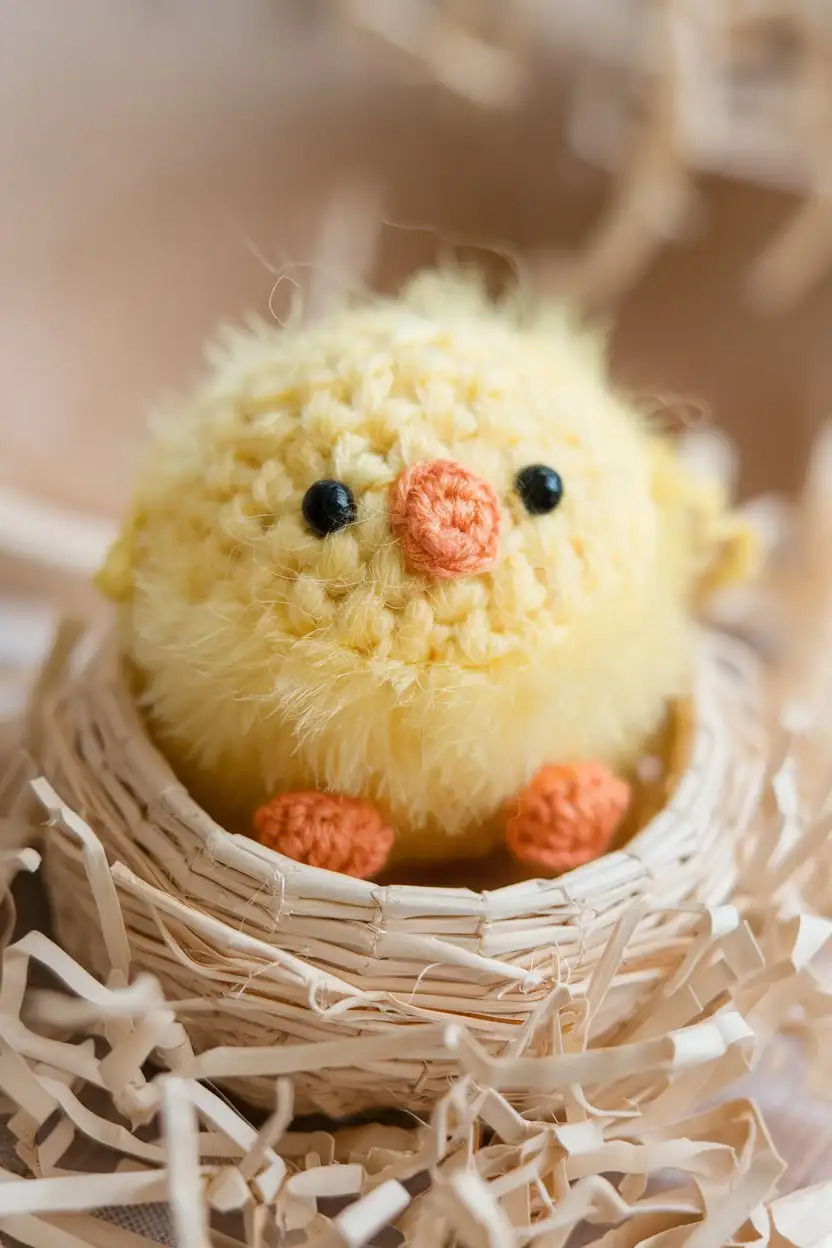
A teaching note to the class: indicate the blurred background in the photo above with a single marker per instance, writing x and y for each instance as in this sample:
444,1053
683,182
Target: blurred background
166,164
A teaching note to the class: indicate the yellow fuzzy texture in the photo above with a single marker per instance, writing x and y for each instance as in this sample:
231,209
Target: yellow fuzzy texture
269,659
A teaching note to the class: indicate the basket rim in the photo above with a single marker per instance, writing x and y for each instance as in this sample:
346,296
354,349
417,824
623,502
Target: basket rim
715,650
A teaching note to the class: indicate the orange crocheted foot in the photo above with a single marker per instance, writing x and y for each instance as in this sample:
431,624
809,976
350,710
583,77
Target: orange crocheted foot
566,816
323,830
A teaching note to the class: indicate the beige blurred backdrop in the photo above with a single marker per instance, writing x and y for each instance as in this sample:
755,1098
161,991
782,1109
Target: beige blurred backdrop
161,159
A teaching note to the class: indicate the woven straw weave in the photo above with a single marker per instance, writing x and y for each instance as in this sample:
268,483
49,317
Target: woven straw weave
259,950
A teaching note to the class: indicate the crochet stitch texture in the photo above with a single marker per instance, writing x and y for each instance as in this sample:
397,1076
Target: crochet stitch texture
432,656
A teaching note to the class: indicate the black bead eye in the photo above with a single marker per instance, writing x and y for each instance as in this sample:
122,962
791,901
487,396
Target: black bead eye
540,489
328,506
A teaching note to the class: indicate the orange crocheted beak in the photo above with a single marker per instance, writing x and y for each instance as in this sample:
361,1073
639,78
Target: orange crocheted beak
446,518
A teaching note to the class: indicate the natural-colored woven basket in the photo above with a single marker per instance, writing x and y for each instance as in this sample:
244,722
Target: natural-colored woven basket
257,950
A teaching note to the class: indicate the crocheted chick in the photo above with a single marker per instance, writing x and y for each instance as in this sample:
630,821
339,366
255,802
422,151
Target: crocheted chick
412,579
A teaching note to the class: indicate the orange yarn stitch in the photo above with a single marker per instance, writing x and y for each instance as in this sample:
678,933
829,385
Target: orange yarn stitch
567,815
324,830
446,519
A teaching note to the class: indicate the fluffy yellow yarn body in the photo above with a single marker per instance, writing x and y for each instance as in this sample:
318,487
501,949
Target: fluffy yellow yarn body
270,659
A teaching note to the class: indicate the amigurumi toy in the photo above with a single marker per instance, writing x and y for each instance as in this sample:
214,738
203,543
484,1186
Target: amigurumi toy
412,580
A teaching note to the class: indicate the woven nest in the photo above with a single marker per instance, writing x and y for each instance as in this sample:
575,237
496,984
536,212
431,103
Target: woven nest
257,951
